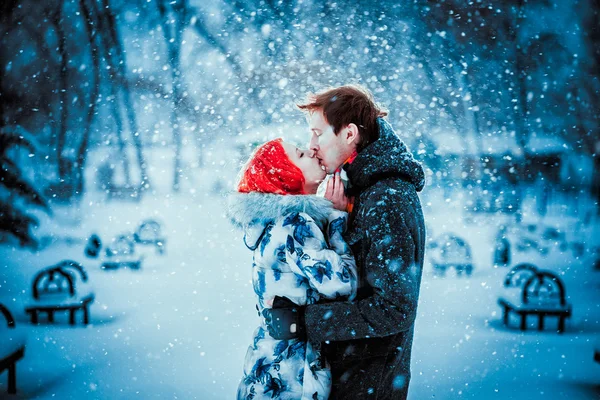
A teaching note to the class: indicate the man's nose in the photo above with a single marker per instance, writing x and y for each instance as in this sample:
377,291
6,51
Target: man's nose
313,146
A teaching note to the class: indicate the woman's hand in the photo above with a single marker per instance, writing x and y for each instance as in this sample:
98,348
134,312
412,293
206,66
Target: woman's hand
334,192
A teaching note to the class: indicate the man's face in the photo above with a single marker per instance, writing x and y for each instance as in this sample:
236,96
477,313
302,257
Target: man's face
331,149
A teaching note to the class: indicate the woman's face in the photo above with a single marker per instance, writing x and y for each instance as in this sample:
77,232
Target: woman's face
310,167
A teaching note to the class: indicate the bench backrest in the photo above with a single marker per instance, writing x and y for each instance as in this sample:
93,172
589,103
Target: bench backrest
121,245
517,276
148,231
452,246
544,282
58,279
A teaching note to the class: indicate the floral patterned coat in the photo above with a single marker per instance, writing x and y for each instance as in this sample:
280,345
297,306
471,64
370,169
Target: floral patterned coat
298,253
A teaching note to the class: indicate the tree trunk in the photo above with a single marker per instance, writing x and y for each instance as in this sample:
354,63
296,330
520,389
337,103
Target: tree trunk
113,85
91,111
471,117
519,93
129,106
173,41
61,136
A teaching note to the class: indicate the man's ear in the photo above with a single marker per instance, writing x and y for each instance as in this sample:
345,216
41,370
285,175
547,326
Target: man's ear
351,134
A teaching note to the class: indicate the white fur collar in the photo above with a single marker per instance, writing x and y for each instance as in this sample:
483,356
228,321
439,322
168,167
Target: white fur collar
251,212
245,209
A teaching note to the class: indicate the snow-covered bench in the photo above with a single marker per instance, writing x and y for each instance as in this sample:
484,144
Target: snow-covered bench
12,349
542,295
149,233
121,254
54,290
452,251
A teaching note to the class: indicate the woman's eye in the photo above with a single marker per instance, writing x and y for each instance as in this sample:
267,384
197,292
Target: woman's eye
301,155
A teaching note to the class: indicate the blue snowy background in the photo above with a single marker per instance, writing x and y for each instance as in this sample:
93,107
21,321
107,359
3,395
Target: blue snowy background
114,112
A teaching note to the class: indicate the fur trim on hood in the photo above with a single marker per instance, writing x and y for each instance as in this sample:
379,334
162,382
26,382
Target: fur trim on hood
251,212
246,209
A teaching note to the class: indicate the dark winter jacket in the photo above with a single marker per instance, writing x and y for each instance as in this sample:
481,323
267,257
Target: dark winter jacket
368,341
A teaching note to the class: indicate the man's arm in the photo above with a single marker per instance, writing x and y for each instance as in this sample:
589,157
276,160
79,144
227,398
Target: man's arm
390,269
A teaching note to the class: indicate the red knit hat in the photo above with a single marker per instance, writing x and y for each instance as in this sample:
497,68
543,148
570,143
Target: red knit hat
270,170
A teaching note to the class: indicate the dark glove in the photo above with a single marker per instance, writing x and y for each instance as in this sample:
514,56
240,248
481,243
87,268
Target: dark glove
285,320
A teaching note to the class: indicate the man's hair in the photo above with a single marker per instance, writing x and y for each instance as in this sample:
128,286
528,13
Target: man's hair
349,104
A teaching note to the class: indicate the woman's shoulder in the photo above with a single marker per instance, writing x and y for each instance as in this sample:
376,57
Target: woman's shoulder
295,218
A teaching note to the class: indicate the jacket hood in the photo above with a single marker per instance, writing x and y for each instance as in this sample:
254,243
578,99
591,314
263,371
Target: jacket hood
387,156
252,212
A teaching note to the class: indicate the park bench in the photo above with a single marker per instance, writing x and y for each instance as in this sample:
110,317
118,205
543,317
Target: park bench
452,251
541,294
150,233
12,349
54,290
121,254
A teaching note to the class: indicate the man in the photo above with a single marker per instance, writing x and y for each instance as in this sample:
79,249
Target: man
367,341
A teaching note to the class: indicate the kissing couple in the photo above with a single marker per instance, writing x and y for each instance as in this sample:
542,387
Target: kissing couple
336,275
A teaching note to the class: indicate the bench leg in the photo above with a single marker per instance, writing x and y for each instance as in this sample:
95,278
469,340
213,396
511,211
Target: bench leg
541,322
561,324
34,317
72,316
86,314
50,316
523,321
12,378
505,316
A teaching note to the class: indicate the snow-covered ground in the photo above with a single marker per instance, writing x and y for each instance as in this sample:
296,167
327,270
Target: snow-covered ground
180,326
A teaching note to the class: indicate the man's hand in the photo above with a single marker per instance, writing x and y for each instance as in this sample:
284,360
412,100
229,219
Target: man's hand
285,320
334,192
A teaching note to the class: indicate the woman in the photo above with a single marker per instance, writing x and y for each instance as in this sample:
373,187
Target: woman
286,227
